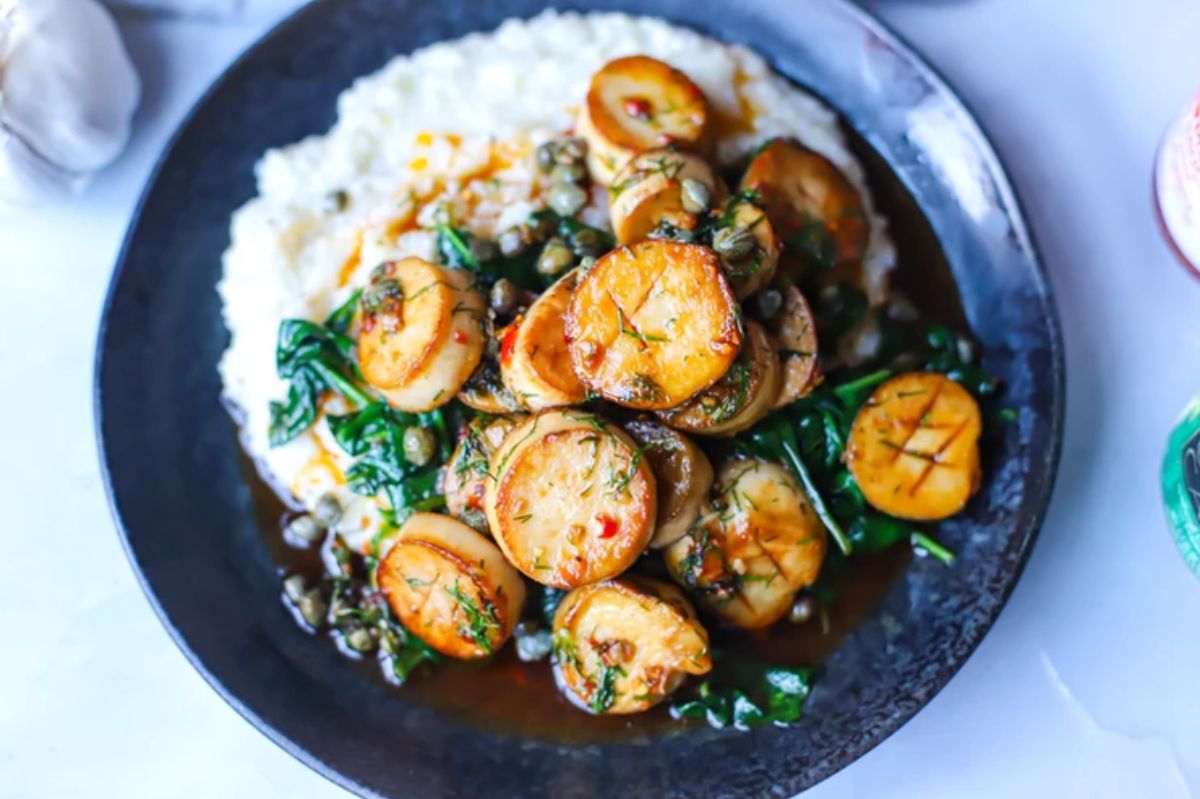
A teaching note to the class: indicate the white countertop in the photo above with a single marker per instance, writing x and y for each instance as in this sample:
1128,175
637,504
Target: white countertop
1089,684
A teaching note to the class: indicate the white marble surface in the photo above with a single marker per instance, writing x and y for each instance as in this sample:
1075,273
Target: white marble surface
1088,686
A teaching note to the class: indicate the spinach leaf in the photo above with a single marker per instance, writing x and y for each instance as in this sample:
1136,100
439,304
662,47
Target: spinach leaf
313,359
454,247
748,695
774,438
810,436
375,436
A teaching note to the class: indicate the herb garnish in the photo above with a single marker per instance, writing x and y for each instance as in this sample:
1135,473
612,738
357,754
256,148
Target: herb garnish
605,693
481,622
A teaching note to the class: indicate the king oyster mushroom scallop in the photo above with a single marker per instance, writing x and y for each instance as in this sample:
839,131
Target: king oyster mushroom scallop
636,104
567,425
622,646
570,500
450,586
758,545
421,334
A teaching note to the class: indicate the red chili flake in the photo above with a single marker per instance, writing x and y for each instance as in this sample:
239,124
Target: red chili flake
460,337
666,139
608,525
508,341
368,323
637,107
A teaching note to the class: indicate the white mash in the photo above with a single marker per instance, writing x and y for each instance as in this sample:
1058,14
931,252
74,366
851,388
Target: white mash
453,126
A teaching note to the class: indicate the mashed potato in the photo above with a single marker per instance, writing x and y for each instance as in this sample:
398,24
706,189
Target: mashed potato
449,129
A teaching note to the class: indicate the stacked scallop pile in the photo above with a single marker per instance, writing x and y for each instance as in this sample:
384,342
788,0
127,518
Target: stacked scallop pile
580,461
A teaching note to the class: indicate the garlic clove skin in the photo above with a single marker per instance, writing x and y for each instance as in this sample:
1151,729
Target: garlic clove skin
26,178
67,93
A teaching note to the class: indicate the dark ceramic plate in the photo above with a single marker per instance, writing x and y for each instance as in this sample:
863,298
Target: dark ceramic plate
184,503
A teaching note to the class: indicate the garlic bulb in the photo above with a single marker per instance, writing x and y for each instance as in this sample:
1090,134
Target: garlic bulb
67,93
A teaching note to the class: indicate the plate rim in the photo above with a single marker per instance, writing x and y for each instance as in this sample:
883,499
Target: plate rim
1010,197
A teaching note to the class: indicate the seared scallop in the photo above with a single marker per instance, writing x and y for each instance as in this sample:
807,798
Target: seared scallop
624,645
635,104
653,324
464,481
682,473
796,337
760,544
571,499
421,335
914,447
534,362
649,191
450,586
743,395
811,204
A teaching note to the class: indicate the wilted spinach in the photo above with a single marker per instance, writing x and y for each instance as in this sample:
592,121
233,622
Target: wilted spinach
458,248
313,359
746,695
375,436
809,436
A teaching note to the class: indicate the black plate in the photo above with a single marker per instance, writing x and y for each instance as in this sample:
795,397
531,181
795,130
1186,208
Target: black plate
183,502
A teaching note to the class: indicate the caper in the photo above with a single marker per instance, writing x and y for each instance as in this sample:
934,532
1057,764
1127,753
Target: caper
419,444
511,242
312,607
803,609
378,295
587,241
546,156
573,149
566,199
505,296
568,173
328,510
384,270
359,639
733,243
767,303
482,250
473,517
336,201
294,587
696,195
539,227
556,256
303,529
